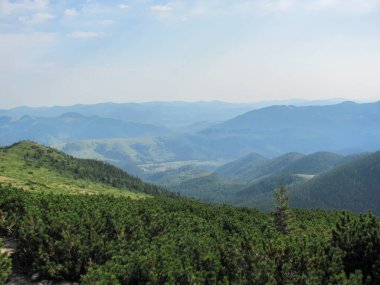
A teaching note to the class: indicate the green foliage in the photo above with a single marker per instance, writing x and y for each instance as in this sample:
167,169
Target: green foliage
209,187
282,211
5,265
353,186
99,239
359,239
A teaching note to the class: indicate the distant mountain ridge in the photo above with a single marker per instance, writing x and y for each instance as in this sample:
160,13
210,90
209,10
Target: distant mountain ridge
169,114
70,126
346,127
165,114
273,131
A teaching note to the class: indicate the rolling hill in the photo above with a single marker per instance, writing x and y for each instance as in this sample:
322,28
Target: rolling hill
353,186
352,183
242,169
295,173
133,154
38,168
208,187
319,180
314,163
176,176
250,168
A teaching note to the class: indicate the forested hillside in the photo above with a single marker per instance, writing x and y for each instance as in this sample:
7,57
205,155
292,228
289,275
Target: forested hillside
248,168
208,187
353,186
99,239
241,170
35,167
319,180
314,163
113,239
294,173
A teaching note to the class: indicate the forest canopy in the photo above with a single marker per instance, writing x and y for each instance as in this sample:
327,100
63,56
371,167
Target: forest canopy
118,240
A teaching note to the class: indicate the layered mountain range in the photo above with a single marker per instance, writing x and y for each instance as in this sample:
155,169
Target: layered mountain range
219,152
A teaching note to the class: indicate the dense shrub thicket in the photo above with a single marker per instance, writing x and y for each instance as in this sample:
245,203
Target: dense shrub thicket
99,239
5,265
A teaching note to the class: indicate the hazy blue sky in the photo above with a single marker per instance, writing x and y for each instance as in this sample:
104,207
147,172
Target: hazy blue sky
66,52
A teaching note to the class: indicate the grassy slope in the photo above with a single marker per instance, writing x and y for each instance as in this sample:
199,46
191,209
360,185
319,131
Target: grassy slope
21,167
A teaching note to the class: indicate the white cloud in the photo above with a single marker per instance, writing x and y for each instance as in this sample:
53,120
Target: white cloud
346,6
161,8
36,18
123,6
320,4
198,9
106,22
22,40
362,6
86,35
8,7
277,5
97,8
286,4
71,12
243,7
352,6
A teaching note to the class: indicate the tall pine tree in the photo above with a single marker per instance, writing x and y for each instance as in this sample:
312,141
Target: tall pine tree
282,211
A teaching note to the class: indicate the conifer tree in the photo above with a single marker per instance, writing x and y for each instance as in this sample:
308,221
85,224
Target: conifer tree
282,212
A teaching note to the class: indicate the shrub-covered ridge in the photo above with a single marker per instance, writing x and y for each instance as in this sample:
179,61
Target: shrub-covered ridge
116,240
